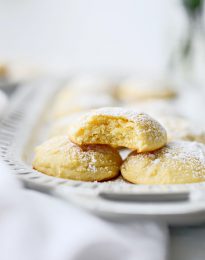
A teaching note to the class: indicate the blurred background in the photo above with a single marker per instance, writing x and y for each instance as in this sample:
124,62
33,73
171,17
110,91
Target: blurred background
61,36
161,44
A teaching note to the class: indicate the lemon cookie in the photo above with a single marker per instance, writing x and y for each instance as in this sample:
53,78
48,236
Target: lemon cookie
177,162
156,107
61,125
119,127
180,128
59,157
142,89
83,93
77,103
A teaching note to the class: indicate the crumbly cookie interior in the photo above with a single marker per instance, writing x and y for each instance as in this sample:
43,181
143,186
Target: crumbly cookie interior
142,135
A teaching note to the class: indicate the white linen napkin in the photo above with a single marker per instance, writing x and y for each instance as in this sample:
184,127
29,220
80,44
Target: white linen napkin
36,226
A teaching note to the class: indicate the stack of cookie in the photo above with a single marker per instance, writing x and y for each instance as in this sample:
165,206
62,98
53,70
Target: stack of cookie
90,151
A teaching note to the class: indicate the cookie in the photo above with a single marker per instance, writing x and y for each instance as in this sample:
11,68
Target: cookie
177,163
61,126
68,103
59,157
143,89
179,128
155,107
118,127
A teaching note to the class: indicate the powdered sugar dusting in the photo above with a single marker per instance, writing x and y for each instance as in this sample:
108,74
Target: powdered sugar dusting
148,131
180,154
179,128
177,162
185,150
119,112
90,157
56,144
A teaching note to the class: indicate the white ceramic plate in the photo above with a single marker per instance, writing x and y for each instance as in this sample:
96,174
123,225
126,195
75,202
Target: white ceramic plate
24,126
